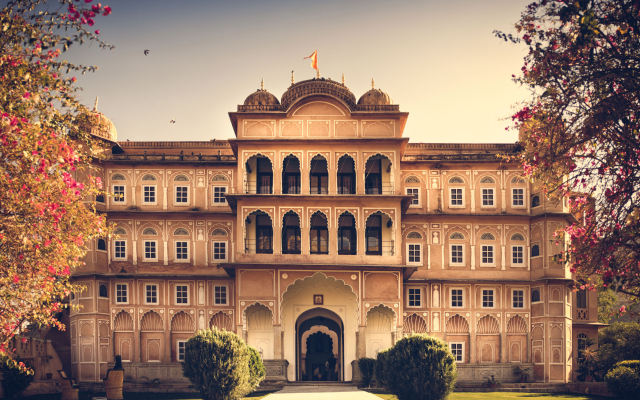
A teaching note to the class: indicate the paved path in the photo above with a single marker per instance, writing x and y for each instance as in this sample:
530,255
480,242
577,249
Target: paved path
312,392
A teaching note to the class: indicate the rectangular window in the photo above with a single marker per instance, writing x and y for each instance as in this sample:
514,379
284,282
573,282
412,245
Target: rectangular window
182,251
150,252
456,197
487,197
120,250
182,295
319,240
220,295
456,254
414,254
148,194
415,299
518,255
181,344
456,298
581,299
518,298
219,251
151,294
487,255
121,293
415,192
218,195
487,298
118,194
457,349
182,195
518,197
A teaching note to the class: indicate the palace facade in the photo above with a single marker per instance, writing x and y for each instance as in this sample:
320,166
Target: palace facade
318,230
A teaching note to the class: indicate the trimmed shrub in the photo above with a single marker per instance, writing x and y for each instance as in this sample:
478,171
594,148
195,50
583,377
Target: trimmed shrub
623,380
420,367
367,367
14,381
257,370
380,366
620,341
220,365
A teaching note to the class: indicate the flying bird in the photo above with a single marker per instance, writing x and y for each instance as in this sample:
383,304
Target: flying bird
173,121
146,52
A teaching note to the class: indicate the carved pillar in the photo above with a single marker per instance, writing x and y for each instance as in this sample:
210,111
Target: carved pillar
473,256
166,253
133,195
473,200
164,198
503,259
277,342
429,256
504,200
503,347
193,257
472,348
135,253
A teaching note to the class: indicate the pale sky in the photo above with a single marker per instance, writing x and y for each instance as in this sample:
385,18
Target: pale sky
437,59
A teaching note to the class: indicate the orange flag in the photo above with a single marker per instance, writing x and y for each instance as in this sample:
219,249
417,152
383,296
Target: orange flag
314,59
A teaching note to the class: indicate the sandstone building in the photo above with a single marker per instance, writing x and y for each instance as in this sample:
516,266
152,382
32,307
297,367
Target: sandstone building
319,229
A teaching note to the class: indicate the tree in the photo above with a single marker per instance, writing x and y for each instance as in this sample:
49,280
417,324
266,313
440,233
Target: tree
579,132
607,301
44,222
618,342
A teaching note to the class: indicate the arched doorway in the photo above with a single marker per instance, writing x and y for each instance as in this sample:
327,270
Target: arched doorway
319,346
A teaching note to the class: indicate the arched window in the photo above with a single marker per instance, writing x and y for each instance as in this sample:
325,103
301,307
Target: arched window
148,177
414,235
346,175
103,290
456,179
376,171
347,239
259,178
219,232
517,180
291,175
291,233
517,237
120,231
102,245
181,232
319,176
535,201
535,295
181,178
219,178
487,179
535,250
582,342
581,299
117,177
487,236
456,236
149,231
411,179
374,234
319,234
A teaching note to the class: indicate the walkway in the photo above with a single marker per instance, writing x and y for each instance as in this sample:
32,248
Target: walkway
316,392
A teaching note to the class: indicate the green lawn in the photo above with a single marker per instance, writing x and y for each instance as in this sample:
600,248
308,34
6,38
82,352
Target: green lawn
141,396
503,395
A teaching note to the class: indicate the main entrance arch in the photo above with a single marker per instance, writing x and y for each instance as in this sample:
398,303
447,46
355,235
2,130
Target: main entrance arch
319,346
334,322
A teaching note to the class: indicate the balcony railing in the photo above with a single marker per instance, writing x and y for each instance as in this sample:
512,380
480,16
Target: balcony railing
291,190
583,315
251,187
346,190
251,247
385,188
387,248
315,190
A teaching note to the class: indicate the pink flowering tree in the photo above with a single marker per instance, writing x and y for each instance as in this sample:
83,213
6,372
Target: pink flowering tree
45,223
579,132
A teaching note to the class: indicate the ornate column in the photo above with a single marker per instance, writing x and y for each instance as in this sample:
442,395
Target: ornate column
164,198
166,253
135,253
277,342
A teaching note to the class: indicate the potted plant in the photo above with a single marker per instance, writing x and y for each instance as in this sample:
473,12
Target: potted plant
492,382
523,373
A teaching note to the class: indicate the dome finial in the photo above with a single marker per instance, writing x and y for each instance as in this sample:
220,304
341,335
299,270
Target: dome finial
95,105
262,84
373,85
343,79
318,73
292,78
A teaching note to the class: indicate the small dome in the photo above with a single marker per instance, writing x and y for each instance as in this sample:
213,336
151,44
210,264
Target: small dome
375,97
261,97
101,126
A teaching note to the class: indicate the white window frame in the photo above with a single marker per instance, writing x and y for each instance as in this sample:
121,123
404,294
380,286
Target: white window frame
493,255
115,257
493,197
451,205
493,298
419,203
175,195
524,298
226,295
213,197
155,195
157,294
175,251
144,250
175,294
126,285
419,251
226,251
513,197
451,263
462,351
516,264
119,201
178,358
419,289
451,297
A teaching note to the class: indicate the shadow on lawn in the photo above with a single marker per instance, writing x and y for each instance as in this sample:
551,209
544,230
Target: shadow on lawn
139,396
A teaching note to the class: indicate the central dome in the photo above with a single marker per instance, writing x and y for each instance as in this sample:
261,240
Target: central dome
101,126
261,97
318,86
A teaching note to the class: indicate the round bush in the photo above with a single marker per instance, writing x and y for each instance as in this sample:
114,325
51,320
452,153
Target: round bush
257,370
367,366
220,365
420,367
380,365
623,382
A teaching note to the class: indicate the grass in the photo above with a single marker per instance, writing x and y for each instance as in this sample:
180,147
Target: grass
501,395
141,396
